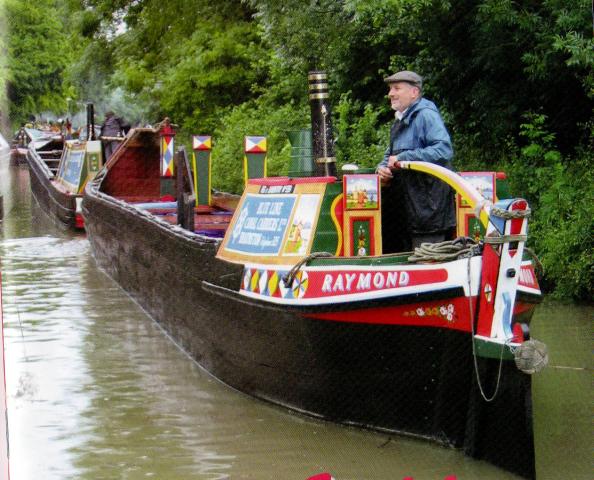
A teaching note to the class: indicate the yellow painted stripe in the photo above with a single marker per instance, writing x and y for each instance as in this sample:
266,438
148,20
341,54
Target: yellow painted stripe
337,224
209,180
195,168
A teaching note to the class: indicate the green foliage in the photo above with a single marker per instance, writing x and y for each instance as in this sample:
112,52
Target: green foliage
561,195
254,118
361,137
215,70
37,56
237,67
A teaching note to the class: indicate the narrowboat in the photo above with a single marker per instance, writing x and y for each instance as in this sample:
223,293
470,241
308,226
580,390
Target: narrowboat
285,293
18,146
59,169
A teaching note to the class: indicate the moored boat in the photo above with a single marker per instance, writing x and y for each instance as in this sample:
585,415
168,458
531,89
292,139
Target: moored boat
18,146
285,294
59,170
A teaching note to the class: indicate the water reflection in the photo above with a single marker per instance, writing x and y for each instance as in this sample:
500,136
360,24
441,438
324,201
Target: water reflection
562,393
97,391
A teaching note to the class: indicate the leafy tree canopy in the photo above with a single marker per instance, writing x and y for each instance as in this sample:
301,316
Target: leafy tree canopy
514,81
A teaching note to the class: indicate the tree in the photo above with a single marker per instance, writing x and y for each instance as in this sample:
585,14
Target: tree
37,57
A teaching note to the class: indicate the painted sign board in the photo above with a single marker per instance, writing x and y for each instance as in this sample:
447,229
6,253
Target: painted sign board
261,225
361,192
80,162
468,225
71,165
274,223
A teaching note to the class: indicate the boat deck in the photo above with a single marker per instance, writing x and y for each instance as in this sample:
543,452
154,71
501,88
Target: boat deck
211,221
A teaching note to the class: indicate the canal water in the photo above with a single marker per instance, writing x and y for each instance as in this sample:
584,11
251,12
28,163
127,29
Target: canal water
96,390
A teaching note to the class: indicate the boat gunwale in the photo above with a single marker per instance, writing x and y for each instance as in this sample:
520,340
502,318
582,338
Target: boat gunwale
92,191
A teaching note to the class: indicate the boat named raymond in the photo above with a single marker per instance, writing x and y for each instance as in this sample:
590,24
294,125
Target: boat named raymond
284,293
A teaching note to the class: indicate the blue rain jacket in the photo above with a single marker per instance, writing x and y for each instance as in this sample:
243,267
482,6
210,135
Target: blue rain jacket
421,136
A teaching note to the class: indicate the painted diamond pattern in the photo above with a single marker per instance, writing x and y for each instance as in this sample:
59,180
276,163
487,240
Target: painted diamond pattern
263,283
273,289
167,156
247,277
254,282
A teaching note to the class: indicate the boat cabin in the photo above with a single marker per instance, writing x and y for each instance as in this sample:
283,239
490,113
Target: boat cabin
277,220
280,220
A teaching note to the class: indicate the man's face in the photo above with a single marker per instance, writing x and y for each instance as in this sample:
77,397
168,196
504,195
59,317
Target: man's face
401,95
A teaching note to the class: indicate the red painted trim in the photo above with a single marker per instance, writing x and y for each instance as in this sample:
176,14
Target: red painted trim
516,223
408,315
467,217
363,218
528,277
79,221
317,280
489,277
290,181
520,307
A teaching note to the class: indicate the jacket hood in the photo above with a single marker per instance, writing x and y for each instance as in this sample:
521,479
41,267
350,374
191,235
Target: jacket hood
420,104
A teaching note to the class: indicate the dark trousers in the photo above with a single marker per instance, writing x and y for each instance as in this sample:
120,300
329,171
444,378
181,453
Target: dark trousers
109,148
395,233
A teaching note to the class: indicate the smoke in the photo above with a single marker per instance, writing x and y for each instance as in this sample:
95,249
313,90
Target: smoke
131,107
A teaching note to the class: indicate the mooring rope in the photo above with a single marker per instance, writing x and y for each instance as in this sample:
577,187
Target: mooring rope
509,214
474,354
461,247
290,277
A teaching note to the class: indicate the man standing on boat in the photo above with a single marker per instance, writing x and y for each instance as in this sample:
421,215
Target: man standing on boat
423,203
113,127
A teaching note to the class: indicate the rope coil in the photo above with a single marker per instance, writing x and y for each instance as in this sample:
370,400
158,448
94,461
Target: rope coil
500,239
461,247
509,215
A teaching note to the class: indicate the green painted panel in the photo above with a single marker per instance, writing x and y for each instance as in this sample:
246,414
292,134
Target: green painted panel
492,350
502,188
326,236
361,237
256,165
203,177
384,260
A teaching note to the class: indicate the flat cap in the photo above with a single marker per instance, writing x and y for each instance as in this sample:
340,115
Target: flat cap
406,76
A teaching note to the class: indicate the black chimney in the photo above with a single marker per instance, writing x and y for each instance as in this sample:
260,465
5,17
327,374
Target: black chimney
321,125
90,121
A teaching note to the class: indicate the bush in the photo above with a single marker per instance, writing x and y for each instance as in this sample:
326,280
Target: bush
560,192
360,137
254,118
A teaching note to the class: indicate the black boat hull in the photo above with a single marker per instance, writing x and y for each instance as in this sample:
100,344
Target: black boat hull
58,205
411,380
